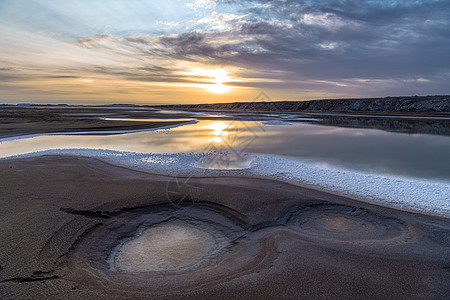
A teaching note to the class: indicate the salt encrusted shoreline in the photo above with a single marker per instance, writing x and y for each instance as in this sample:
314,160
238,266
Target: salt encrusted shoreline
417,195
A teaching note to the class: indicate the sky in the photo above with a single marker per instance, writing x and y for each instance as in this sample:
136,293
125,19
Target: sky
200,51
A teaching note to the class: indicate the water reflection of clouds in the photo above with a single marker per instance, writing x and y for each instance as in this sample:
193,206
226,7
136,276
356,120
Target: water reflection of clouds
362,149
185,138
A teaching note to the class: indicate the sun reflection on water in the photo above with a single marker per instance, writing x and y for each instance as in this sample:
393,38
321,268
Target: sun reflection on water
219,130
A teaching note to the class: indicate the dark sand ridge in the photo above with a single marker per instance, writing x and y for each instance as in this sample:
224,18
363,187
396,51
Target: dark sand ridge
18,121
63,220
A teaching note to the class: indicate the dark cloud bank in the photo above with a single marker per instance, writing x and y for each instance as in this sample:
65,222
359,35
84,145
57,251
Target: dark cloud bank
360,47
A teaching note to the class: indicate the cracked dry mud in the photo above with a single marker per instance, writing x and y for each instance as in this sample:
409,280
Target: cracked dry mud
81,228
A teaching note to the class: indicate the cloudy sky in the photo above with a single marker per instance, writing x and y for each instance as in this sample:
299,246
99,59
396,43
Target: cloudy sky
136,51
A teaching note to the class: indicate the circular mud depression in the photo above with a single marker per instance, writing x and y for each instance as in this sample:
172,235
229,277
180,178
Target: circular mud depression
342,223
161,249
171,247
165,248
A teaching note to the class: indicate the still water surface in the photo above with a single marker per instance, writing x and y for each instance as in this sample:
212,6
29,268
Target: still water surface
368,150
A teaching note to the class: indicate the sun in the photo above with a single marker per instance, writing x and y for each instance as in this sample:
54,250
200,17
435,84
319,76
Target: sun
216,78
218,88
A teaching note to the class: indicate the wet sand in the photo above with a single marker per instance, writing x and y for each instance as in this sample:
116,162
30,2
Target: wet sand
75,228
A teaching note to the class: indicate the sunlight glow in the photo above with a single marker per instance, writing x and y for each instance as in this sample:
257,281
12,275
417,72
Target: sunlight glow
218,88
218,128
217,139
217,77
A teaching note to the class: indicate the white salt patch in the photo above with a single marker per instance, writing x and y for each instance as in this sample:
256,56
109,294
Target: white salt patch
224,161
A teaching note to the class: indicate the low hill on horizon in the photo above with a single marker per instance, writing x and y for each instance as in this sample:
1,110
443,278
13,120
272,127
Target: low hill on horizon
425,104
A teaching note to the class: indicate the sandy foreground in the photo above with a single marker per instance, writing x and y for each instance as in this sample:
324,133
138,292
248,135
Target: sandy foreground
65,218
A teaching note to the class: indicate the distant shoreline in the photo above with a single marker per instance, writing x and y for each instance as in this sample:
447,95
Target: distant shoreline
412,104
436,104
422,115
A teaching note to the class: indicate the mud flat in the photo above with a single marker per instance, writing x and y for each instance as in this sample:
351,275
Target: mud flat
18,121
80,228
